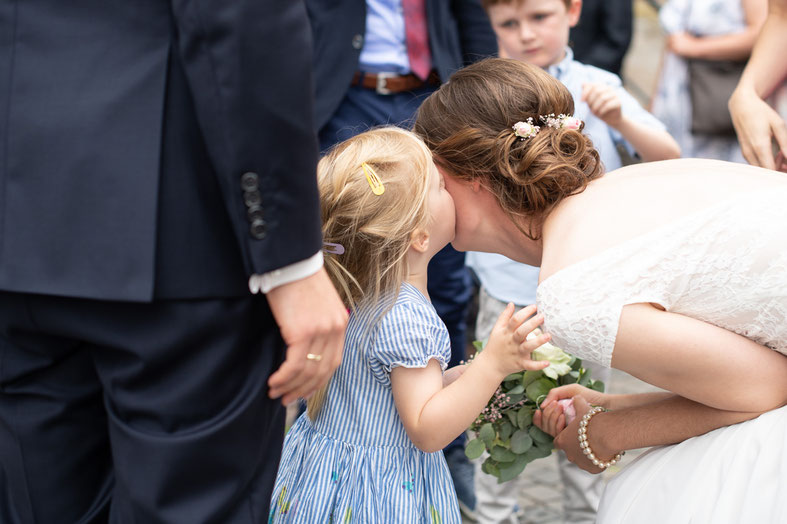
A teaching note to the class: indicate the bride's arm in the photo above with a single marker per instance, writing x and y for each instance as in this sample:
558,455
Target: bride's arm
665,421
699,361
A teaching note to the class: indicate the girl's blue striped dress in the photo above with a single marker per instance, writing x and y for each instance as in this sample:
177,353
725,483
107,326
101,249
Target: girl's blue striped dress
355,463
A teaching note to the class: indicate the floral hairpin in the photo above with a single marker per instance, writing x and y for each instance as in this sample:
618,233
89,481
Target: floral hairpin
526,129
561,121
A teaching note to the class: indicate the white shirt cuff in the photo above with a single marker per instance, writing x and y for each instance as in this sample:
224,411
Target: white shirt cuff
267,281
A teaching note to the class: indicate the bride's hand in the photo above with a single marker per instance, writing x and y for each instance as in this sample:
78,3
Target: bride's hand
572,390
568,442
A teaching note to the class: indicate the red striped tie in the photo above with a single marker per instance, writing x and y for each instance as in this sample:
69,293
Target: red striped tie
417,37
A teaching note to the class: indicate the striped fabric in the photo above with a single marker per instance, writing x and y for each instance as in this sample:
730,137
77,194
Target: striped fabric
356,463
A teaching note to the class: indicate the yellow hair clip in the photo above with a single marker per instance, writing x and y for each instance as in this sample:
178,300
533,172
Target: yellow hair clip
374,181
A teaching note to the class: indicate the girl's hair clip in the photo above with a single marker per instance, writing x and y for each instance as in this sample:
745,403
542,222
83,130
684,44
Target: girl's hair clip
333,249
527,129
374,181
561,121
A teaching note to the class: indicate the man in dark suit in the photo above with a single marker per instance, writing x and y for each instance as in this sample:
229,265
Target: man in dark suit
375,61
157,159
603,34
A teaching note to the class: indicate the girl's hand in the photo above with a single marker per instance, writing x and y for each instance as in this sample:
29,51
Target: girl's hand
604,103
508,346
551,419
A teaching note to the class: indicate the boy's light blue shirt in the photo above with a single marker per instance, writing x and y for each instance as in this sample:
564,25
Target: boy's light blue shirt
510,281
384,47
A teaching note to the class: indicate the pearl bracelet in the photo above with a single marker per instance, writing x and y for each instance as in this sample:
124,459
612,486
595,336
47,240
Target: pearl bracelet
585,445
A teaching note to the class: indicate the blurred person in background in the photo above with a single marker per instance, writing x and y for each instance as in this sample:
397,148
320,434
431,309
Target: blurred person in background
603,34
723,31
756,123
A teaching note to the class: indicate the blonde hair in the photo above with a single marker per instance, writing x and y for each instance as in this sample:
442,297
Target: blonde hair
467,124
374,230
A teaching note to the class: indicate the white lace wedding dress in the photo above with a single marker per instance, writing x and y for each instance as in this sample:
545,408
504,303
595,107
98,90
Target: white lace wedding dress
726,265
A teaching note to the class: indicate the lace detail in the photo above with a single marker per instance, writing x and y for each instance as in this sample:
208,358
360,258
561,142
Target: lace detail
725,265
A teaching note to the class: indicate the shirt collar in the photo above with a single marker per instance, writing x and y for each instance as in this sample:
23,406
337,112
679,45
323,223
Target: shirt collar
560,69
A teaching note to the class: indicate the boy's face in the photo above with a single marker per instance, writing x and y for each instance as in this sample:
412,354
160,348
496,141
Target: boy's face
534,31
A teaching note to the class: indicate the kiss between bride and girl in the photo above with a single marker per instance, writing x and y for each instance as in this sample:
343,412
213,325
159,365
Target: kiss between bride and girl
674,272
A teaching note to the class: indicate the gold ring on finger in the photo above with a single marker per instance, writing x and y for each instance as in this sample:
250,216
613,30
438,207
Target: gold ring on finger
313,356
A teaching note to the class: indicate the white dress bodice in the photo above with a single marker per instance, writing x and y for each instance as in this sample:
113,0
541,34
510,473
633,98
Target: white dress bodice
725,265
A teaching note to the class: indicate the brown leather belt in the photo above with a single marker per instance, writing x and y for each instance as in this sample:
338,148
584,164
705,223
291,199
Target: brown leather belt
391,83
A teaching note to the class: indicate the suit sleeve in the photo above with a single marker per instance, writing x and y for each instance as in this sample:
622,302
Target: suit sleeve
248,64
475,31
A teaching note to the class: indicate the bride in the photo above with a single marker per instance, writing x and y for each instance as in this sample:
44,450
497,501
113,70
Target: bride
674,272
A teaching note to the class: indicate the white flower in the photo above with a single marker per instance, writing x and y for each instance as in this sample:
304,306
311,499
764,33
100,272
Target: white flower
559,360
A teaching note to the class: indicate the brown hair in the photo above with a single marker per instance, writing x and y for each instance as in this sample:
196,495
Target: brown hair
374,230
489,3
486,4
467,124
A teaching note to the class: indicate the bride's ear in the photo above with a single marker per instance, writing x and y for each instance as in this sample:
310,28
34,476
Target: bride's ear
419,240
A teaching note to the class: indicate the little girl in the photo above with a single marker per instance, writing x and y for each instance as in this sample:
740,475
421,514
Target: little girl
368,449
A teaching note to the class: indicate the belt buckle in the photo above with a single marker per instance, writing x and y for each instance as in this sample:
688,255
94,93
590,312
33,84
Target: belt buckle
382,80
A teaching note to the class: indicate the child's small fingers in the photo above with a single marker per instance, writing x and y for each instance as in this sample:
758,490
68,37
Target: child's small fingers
504,317
561,423
535,365
531,344
529,325
521,316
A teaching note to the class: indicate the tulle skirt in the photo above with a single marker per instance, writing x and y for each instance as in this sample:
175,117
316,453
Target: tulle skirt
733,475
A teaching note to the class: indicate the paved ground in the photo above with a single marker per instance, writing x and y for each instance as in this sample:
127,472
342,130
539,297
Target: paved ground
542,494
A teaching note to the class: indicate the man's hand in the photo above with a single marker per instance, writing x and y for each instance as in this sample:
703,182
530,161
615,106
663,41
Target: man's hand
756,123
312,320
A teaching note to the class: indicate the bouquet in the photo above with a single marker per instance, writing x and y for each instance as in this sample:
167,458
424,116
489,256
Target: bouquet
505,427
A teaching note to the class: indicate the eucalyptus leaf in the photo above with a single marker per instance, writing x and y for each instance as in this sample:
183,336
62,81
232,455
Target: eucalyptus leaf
505,431
512,416
509,472
478,345
540,451
584,377
516,390
539,389
515,398
513,377
475,448
521,441
524,418
597,385
491,467
576,364
487,433
539,436
502,454
530,376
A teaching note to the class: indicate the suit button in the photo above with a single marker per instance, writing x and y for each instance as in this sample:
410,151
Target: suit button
255,213
258,229
252,198
358,41
249,181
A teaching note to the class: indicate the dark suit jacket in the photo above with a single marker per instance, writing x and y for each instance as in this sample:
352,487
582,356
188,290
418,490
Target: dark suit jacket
603,34
125,129
459,33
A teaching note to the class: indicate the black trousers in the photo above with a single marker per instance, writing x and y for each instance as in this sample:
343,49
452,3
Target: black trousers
144,413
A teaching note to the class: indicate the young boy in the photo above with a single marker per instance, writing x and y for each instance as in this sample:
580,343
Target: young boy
537,32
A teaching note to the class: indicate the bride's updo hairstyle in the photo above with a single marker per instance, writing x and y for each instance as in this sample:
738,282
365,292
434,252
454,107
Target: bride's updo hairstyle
468,123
